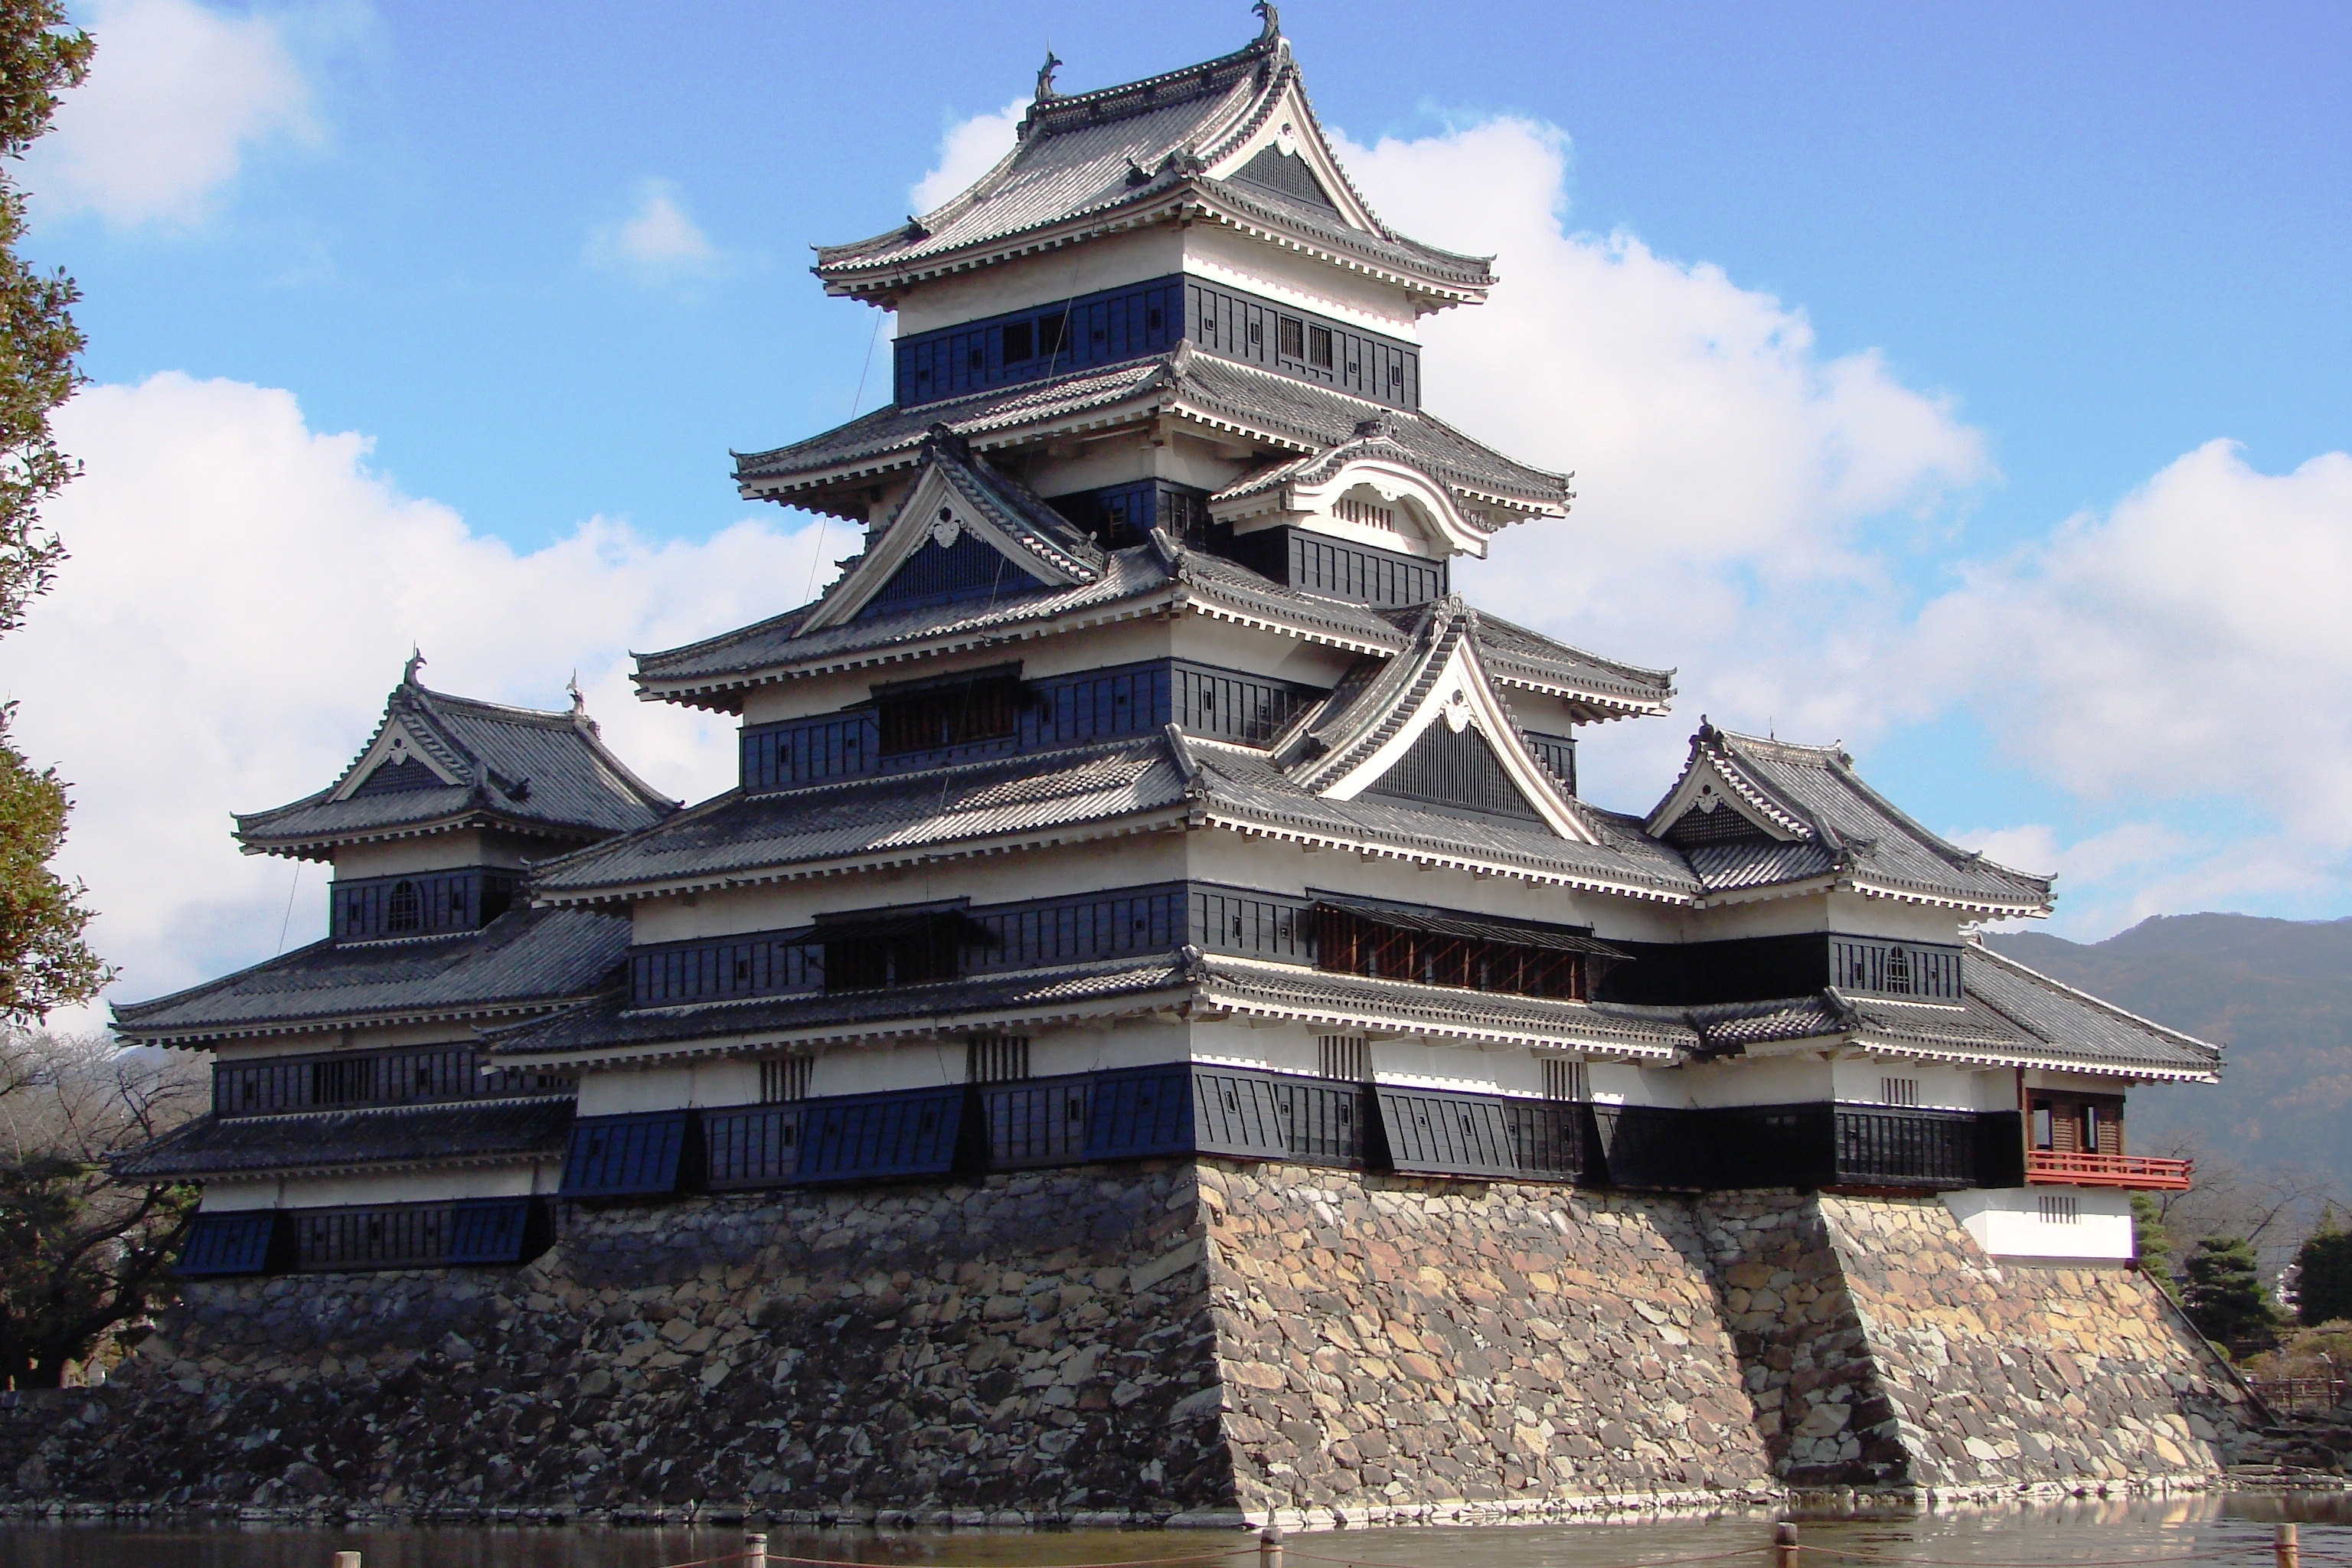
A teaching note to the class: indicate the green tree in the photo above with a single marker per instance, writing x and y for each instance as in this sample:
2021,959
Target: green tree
2323,1265
44,963
2224,1297
2152,1244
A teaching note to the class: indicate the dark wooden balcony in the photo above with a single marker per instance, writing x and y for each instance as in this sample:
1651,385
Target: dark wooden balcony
2138,1173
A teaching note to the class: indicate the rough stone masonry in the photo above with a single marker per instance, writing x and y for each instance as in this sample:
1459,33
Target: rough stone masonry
1181,1342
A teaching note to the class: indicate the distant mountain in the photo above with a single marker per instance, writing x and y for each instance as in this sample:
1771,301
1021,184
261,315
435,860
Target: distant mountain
2278,993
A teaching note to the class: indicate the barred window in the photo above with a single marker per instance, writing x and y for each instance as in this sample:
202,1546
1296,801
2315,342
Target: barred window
784,1079
403,911
1898,1092
1344,1056
2060,1208
1294,338
1565,1077
1318,347
952,716
996,1058
1898,971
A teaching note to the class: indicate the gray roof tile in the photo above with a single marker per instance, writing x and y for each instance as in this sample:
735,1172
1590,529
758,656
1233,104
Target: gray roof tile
493,1130
517,767
1129,154
1296,415
1843,825
526,959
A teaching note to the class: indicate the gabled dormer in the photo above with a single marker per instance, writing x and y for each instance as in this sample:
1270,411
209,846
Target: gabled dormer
963,531
1760,818
1428,727
432,825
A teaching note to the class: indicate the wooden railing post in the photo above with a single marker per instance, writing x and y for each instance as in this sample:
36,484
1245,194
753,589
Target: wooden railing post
347,1560
755,1550
1784,1544
2290,1554
1269,1547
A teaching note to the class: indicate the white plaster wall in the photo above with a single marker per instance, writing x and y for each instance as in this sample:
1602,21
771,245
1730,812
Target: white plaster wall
1996,1090
1221,256
1195,638
515,1181
440,852
1232,858
1128,1043
366,1037
1627,1083
671,1086
1941,1088
1544,714
1145,453
2007,1222
1766,1080
1105,263
1036,874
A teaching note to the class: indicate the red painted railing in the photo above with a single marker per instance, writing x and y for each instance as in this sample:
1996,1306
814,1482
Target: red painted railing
2137,1171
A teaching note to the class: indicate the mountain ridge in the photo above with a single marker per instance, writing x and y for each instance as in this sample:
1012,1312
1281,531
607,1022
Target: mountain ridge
2276,993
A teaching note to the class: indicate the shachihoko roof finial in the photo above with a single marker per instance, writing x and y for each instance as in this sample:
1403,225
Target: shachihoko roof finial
579,698
1045,74
416,663
1272,22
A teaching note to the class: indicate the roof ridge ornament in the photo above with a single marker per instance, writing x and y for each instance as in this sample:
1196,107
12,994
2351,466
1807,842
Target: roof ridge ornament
416,663
1265,10
1045,75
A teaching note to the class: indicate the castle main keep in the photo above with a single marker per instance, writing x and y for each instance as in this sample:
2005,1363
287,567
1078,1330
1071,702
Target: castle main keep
1156,1031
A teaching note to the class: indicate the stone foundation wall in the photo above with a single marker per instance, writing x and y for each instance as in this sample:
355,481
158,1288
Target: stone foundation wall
1883,1348
1032,1347
1392,1347
1178,1342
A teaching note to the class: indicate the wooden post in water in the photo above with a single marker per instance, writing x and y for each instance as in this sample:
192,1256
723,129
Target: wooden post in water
2290,1554
1784,1544
1269,1547
347,1560
755,1550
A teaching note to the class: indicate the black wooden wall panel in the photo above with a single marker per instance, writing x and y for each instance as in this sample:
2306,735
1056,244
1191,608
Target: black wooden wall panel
246,1242
643,1154
870,1137
426,904
1453,768
1447,1133
1138,1112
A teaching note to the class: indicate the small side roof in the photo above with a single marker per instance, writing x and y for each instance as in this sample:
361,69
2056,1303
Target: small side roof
523,962
1219,398
482,765
1753,814
486,1132
1232,142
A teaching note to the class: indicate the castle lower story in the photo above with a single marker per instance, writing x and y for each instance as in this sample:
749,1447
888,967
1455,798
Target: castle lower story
1191,1341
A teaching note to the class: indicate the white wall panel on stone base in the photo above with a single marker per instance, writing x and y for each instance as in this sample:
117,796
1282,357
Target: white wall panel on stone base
515,1181
2048,1222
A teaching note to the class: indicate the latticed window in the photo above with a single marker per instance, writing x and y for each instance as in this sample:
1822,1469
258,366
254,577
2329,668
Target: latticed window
2060,1208
1354,946
950,716
1318,347
996,1058
785,1078
1898,971
404,910
1565,1077
1898,1092
1344,1056
1294,338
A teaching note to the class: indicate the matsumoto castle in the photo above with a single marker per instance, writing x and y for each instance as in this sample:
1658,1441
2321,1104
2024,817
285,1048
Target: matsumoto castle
1140,791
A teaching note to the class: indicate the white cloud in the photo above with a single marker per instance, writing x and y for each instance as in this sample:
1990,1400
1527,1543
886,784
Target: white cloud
178,97
2193,641
1738,489
658,242
969,150
242,592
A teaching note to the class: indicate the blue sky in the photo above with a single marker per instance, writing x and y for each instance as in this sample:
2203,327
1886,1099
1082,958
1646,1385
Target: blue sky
547,264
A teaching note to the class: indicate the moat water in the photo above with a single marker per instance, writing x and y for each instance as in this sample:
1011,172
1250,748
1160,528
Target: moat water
2231,1532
